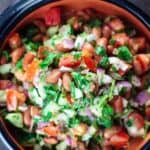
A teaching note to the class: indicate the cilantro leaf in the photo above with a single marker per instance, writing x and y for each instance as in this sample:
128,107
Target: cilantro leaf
104,62
48,60
100,50
6,55
19,64
95,23
112,41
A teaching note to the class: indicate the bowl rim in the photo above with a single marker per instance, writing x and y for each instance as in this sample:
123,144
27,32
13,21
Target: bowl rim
12,16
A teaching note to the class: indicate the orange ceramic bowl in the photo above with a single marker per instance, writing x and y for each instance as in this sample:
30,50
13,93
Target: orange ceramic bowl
20,14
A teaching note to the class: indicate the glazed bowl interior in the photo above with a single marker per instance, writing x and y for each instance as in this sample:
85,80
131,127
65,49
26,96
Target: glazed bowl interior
103,7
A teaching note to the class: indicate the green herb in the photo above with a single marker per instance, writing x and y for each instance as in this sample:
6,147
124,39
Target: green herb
48,60
6,55
100,50
80,80
124,53
111,91
73,122
130,122
104,62
98,139
73,90
95,23
66,30
107,115
19,64
31,46
47,117
77,55
112,41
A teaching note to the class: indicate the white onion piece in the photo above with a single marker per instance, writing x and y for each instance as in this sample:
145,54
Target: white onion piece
135,132
68,43
65,69
136,81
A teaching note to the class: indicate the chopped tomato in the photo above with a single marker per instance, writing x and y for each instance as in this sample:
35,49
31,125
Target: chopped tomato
11,100
120,139
120,39
117,104
50,141
51,131
69,61
27,117
53,17
90,63
137,44
102,42
3,60
14,41
138,119
66,81
32,70
141,63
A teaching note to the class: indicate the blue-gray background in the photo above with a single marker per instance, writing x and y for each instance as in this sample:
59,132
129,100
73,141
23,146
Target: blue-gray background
143,4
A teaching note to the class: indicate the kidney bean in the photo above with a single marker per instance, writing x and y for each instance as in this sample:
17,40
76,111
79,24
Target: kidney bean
66,80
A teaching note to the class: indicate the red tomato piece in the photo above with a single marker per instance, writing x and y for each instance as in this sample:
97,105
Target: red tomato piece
53,17
138,119
90,63
120,139
137,44
117,104
120,39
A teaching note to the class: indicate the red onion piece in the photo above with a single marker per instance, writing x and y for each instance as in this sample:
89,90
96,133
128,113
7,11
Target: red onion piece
124,84
68,141
42,125
68,43
142,97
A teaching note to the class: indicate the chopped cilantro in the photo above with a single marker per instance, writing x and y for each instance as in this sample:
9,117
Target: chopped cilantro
100,50
77,55
6,55
73,122
130,122
47,117
98,139
104,62
95,23
19,64
112,41
48,60
124,53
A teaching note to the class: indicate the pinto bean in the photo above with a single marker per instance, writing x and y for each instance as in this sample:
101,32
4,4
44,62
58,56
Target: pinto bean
60,47
141,63
17,54
28,58
116,24
69,61
97,32
14,41
106,31
66,80
88,50
102,42
81,146
54,76
4,84
137,44
40,24
42,50
50,141
38,38
27,117
34,111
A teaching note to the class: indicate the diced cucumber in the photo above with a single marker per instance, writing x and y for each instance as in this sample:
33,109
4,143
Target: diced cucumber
16,119
2,96
62,146
6,68
52,30
35,98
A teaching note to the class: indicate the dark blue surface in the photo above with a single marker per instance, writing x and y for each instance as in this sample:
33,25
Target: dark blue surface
8,20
